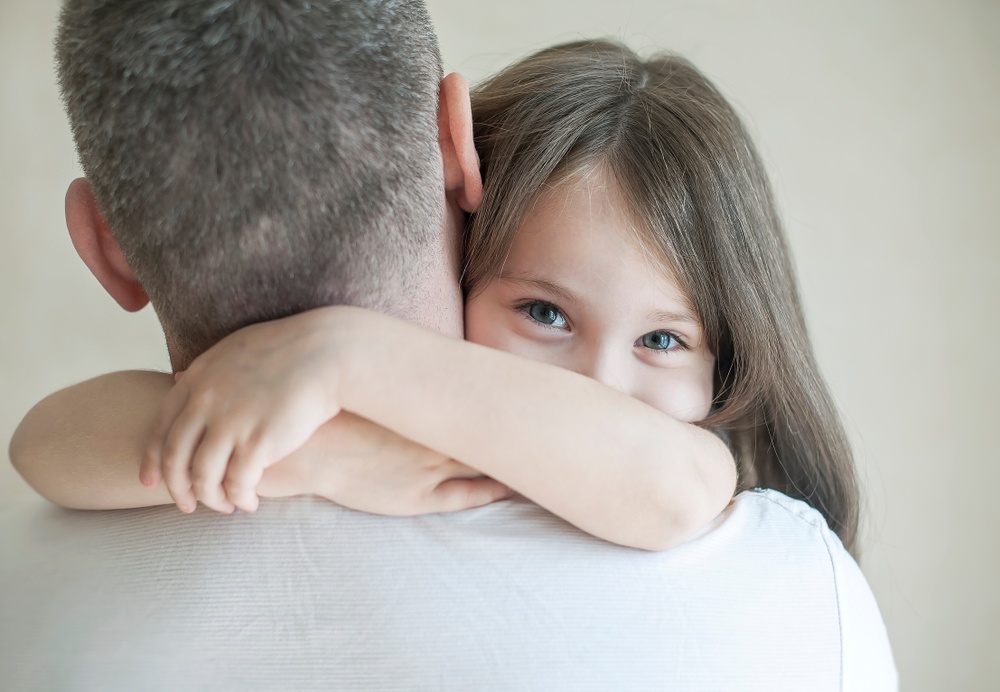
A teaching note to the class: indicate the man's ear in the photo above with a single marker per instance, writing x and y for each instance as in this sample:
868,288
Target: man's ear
462,180
98,248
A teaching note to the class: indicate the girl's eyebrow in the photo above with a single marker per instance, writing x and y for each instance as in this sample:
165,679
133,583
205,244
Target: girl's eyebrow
542,284
670,316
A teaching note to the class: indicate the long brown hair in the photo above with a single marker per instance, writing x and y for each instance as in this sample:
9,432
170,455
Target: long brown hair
696,189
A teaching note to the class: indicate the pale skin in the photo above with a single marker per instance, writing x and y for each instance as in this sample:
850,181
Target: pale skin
81,447
598,450
588,440
613,452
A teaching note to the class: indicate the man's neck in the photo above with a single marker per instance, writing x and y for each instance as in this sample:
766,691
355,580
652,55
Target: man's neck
439,305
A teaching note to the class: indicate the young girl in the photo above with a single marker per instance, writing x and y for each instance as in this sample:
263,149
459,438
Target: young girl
627,233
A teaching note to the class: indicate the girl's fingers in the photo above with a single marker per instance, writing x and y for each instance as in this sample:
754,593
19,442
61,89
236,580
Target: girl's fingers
246,468
450,469
181,492
208,470
274,439
178,449
465,493
151,469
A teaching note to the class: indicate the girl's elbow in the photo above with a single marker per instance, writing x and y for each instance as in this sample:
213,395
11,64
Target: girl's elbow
676,517
18,451
670,532
27,457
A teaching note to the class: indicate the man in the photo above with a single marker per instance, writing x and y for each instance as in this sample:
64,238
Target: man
249,160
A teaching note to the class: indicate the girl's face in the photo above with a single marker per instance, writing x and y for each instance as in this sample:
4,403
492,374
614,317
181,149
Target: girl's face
578,291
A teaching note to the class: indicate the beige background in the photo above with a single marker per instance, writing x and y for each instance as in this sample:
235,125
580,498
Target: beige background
880,122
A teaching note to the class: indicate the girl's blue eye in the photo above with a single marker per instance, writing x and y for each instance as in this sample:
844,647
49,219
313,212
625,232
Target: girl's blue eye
659,341
545,313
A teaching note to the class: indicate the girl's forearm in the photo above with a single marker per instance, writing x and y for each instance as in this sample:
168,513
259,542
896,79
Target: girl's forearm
600,459
81,447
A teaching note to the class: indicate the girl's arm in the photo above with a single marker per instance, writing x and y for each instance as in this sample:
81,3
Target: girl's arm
81,448
600,459
604,461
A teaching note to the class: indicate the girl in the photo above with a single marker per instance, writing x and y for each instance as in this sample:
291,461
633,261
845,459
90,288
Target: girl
626,233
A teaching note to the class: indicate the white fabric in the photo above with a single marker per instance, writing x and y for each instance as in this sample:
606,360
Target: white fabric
306,595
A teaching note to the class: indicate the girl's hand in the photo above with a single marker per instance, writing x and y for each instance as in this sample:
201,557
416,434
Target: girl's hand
249,401
366,467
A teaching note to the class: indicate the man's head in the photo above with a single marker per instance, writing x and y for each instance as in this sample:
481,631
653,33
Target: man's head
257,158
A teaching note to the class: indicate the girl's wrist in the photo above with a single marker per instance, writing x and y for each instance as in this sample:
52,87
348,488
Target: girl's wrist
307,471
325,346
357,335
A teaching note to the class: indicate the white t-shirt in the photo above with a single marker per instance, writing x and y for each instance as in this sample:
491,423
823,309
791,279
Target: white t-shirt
306,595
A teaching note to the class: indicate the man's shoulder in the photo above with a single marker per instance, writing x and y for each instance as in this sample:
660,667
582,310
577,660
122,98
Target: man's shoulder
755,592
760,530
766,532
766,519
768,513
770,538
796,511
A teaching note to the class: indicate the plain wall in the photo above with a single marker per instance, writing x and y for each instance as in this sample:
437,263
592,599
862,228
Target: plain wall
880,125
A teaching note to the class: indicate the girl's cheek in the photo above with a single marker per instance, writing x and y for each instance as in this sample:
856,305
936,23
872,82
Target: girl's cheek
511,333
481,321
686,397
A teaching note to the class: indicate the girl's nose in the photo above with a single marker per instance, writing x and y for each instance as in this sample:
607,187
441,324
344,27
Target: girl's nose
605,367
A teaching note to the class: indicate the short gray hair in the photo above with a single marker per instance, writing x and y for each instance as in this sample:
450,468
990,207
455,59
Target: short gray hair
257,158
